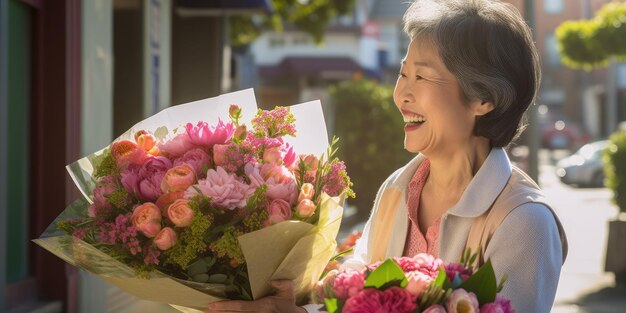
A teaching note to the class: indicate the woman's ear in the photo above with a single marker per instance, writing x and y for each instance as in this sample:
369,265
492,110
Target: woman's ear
482,107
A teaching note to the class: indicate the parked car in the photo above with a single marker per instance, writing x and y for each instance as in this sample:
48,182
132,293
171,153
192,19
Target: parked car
562,134
584,167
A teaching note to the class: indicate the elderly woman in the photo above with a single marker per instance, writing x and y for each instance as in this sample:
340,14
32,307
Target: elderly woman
470,73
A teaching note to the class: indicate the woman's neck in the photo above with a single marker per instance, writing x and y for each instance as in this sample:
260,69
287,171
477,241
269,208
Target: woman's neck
451,172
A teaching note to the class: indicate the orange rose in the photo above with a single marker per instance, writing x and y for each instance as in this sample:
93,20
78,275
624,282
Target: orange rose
127,152
145,140
180,213
178,178
165,239
147,219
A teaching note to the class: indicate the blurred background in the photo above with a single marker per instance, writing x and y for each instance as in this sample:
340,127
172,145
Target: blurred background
74,74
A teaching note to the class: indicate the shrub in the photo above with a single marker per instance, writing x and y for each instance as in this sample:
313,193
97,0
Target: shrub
614,158
371,133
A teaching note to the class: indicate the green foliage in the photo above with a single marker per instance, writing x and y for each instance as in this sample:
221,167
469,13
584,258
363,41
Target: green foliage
588,44
614,158
228,245
372,135
310,16
483,284
190,241
104,165
386,275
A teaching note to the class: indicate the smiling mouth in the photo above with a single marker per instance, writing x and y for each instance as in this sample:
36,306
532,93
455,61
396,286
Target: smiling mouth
413,120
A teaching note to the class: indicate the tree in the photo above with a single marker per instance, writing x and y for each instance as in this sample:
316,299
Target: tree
589,44
310,16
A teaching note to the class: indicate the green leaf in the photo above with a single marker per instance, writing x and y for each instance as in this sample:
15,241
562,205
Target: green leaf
386,275
483,283
332,305
160,133
442,280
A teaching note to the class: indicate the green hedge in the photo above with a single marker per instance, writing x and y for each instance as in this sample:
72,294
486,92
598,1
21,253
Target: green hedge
614,158
371,133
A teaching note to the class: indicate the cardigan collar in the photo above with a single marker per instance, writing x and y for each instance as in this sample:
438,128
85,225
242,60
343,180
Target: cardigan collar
481,192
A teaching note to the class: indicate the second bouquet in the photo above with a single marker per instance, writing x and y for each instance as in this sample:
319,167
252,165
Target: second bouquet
206,212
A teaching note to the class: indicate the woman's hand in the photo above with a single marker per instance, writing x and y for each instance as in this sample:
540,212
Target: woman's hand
284,301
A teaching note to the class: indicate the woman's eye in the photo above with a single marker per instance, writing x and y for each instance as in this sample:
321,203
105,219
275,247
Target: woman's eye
418,77
401,75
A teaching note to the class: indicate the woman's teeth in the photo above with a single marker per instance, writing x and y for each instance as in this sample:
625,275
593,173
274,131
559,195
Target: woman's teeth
414,119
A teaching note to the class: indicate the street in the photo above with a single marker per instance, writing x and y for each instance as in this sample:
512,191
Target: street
584,287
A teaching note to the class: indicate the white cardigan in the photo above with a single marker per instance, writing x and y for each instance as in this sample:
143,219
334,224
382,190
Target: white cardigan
527,245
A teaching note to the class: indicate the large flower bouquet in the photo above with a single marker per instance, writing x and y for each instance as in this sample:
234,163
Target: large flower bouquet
222,208
421,283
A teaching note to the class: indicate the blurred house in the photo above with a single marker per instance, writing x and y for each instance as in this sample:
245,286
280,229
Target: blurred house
73,76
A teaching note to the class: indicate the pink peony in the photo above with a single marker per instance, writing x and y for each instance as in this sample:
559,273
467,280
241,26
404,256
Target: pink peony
176,146
348,284
129,177
436,308
178,178
279,210
428,264
198,159
206,136
180,213
305,208
150,176
225,190
418,282
501,305
165,239
392,300
462,301
455,268
147,219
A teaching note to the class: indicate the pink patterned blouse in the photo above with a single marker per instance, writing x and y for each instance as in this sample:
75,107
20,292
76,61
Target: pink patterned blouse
416,242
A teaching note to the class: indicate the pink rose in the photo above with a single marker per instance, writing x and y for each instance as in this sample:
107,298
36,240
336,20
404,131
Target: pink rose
105,187
501,305
220,154
126,152
147,219
272,155
225,189
305,208
435,308
206,136
198,159
150,177
418,282
279,174
348,283
392,300
279,211
178,178
176,146
462,301
165,239
180,213
145,140
306,191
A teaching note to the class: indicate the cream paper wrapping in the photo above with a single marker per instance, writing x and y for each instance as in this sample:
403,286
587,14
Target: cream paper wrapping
289,250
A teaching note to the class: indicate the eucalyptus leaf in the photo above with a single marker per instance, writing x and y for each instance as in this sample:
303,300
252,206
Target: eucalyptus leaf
218,278
160,133
201,278
197,267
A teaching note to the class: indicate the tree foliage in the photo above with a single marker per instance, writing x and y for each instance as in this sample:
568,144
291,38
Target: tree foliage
310,16
371,133
614,159
589,44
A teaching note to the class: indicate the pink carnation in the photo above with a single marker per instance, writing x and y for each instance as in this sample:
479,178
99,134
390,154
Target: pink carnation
428,264
347,284
392,300
501,305
198,159
206,136
225,190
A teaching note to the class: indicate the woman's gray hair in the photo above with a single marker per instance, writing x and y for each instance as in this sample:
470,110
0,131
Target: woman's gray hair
489,48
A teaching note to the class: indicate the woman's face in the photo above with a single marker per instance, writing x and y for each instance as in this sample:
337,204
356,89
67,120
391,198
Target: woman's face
437,118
